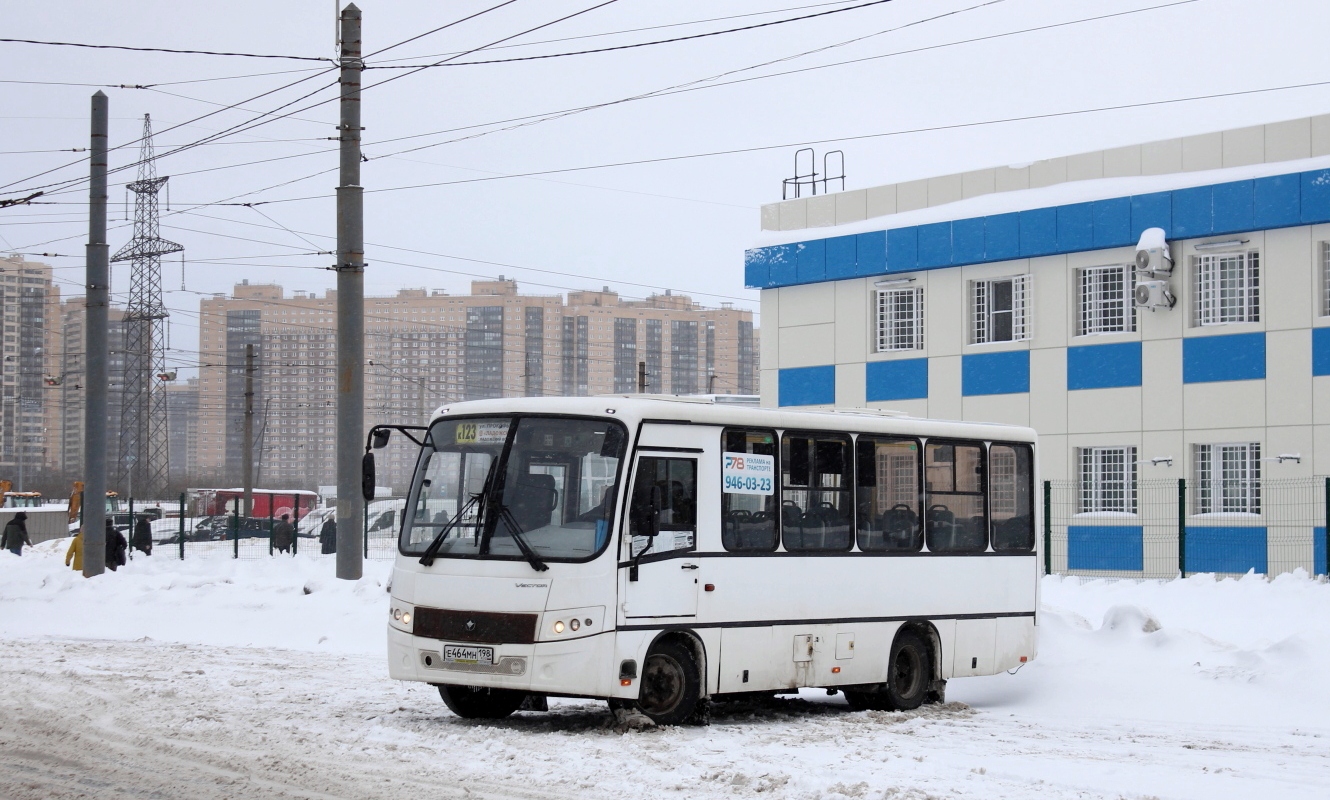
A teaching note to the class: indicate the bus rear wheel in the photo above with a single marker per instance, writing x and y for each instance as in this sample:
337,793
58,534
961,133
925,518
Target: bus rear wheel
475,702
671,684
909,672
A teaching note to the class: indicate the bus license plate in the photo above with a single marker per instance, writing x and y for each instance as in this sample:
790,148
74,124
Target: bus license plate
453,654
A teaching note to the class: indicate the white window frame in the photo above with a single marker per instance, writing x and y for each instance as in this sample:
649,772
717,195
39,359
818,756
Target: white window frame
1227,288
1237,489
1107,480
981,316
1104,300
900,319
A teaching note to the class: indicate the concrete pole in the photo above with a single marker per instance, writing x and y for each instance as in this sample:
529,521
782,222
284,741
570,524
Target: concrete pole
247,449
95,350
641,377
350,311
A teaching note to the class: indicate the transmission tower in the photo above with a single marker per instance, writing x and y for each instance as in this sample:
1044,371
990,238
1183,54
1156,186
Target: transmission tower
142,467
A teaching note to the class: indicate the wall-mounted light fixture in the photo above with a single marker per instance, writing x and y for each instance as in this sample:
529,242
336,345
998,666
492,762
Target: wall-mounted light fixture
893,282
1165,460
1225,243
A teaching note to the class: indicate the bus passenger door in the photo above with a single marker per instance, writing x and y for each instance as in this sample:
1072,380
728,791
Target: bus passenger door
664,502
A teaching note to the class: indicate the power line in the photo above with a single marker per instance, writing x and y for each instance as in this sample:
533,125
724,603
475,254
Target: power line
635,44
163,50
655,27
831,140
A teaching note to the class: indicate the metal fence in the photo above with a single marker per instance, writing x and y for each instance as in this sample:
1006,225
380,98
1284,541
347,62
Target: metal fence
196,526
1170,528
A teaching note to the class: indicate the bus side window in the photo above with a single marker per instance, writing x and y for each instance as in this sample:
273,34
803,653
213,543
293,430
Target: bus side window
954,519
665,500
1010,500
888,495
816,510
748,509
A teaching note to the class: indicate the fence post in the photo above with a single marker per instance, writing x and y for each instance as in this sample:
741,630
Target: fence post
365,527
1327,530
130,530
295,524
1048,527
182,526
272,501
235,537
1182,527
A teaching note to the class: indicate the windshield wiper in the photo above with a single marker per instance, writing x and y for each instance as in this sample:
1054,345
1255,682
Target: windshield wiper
520,538
433,549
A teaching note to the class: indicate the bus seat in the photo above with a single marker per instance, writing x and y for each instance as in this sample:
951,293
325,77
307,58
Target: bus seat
533,501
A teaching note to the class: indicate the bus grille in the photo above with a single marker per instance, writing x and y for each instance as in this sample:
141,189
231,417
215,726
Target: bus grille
475,626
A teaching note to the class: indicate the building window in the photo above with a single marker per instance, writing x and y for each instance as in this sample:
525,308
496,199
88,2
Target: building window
900,319
1228,288
1227,478
1108,479
1106,304
1325,279
1001,310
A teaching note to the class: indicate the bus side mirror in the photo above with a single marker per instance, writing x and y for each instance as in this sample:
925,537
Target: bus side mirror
380,438
367,477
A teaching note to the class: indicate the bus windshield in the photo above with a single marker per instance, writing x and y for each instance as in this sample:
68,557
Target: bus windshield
534,488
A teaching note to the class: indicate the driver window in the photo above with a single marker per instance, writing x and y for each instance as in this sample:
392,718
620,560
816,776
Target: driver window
665,500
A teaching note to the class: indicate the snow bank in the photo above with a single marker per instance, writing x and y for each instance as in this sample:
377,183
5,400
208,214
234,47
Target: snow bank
289,602
1229,651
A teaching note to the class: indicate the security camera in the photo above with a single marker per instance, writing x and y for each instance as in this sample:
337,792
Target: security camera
1152,256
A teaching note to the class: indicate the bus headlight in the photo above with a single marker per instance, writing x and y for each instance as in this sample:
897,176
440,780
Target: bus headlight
558,626
400,617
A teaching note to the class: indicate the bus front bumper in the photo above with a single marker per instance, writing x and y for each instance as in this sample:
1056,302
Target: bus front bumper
578,667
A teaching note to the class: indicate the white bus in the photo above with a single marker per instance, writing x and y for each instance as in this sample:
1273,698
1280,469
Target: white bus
666,552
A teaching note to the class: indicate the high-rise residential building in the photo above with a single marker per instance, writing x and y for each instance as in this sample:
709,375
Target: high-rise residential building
182,426
424,348
67,388
29,306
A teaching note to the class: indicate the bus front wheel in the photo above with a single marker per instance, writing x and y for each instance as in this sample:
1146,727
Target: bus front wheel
671,684
474,702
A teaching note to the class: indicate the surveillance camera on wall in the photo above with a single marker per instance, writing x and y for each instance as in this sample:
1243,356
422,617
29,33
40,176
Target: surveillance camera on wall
1152,256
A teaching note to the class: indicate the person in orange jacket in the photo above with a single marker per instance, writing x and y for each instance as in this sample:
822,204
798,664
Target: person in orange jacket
75,552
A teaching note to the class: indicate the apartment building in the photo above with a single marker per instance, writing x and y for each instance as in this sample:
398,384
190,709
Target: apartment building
29,307
424,348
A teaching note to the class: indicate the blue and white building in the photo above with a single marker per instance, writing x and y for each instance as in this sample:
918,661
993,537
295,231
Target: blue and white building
1007,295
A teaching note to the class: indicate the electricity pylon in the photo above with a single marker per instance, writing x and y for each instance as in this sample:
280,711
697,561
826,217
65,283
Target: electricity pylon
142,467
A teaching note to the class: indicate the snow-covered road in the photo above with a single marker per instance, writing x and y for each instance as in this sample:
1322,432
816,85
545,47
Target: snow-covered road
1225,699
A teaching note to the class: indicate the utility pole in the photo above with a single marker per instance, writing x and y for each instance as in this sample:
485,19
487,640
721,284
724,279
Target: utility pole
641,377
350,310
247,469
95,349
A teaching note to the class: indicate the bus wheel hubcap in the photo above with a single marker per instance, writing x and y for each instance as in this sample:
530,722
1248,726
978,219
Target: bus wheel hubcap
662,684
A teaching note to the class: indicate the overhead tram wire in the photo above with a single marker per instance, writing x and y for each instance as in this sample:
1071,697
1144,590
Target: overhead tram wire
240,128
707,83
654,27
690,37
829,140
165,50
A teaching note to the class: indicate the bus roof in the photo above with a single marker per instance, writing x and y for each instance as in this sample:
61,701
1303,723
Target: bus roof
634,409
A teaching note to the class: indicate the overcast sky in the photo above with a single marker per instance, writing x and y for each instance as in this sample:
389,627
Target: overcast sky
681,224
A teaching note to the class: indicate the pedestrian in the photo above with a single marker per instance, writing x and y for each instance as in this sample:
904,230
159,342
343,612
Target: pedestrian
282,534
116,547
75,551
328,536
142,539
16,534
